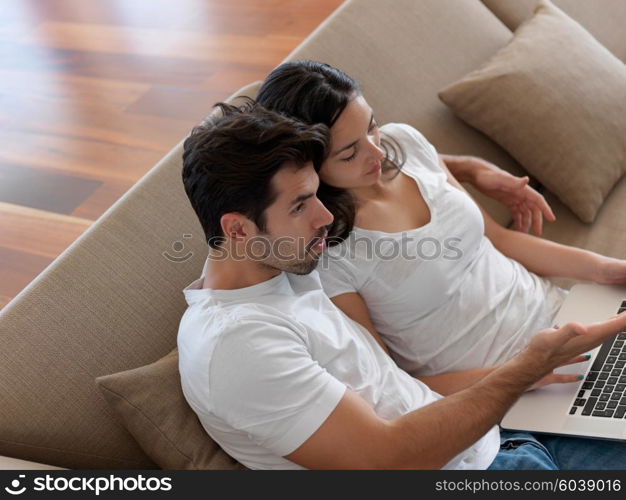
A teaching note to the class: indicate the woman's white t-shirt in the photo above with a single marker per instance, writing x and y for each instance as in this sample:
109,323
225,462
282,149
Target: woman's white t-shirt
441,295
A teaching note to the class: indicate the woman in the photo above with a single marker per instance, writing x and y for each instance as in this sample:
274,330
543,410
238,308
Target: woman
411,256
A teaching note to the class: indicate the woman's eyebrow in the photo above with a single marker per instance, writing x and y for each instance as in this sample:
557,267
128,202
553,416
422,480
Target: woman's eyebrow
352,144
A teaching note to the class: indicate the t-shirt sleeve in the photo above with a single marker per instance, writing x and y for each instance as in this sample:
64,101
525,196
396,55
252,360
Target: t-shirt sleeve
337,274
264,382
414,144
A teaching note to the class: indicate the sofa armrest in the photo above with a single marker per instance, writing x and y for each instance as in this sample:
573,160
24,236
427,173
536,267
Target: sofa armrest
7,463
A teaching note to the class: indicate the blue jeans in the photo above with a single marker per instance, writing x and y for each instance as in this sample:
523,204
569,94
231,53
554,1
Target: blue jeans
522,450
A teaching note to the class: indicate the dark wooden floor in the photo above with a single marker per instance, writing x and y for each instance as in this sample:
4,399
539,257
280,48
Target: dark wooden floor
94,92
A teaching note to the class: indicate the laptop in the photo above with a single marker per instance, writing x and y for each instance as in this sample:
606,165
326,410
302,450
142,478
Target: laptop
596,406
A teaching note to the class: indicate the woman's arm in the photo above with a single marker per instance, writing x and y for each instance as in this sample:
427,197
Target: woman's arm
526,205
353,306
544,257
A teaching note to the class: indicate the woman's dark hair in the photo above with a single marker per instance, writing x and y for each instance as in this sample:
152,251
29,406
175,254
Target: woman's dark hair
315,92
229,162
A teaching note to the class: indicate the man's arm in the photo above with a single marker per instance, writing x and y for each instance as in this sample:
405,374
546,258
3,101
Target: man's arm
353,436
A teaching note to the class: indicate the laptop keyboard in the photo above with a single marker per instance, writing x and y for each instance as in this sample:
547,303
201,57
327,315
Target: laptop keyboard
603,392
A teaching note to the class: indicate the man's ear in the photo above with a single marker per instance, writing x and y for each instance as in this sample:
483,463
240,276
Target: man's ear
236,227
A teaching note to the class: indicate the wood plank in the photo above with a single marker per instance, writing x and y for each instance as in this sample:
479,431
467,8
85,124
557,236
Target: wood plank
17,269
101,199
62,88
174,102
44,190
154,42
5,299
90,158
256,17
96,122
49,62
37,232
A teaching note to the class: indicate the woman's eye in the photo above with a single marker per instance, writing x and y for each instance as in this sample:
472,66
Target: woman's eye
350,158
373,126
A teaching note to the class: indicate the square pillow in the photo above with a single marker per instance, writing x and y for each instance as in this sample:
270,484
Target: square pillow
152,406
555,99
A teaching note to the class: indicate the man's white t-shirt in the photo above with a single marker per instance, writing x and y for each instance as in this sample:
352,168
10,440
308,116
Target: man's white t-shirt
441,295
264,366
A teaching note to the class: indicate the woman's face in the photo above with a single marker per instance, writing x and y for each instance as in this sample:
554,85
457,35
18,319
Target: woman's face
355,157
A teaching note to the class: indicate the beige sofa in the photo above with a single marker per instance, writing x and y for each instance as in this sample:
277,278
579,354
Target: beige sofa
112,301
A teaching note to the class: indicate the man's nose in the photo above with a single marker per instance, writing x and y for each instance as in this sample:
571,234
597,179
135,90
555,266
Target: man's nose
324,217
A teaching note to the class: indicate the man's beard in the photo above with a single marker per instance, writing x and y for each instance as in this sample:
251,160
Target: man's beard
295,264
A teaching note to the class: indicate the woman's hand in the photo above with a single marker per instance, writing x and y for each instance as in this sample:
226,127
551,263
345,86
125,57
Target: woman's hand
526,205
610,271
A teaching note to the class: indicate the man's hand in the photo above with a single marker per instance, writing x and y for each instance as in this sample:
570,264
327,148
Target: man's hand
554,347
527,206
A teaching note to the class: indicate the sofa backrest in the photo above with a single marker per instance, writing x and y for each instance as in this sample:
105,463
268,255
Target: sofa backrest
605,19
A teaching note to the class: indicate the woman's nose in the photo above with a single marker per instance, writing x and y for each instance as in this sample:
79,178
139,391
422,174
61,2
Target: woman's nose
376,150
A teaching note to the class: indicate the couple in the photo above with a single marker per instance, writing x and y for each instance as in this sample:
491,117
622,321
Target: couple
283,377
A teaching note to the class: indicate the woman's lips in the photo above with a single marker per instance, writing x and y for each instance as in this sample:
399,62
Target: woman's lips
376,168
321,244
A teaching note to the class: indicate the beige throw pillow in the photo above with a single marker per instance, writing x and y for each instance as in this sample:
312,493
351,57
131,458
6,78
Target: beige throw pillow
152,407
555,99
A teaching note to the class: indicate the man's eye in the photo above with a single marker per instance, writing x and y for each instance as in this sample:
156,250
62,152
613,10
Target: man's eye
299,208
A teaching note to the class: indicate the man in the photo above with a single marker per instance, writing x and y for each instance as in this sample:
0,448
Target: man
281,378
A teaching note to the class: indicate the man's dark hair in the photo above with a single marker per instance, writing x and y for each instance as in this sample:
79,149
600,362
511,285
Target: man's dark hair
229,162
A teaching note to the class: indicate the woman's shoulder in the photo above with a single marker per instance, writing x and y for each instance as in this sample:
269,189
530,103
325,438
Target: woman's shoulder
416,148
403,132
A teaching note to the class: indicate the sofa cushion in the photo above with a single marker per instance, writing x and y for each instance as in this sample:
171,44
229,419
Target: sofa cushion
152,406
402,52
110,302
605,20
555,98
